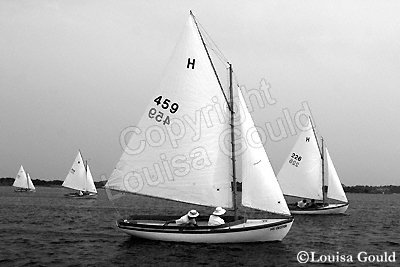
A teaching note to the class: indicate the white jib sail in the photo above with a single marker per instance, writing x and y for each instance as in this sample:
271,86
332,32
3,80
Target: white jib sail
174,152
335,189
76,178
29,181
260,189
21,180
301,173
90,187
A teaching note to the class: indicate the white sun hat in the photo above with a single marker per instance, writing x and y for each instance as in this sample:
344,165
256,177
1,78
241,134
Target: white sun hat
193,213
219,211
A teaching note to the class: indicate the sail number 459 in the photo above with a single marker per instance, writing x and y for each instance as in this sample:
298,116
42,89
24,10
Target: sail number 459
166,105
295,159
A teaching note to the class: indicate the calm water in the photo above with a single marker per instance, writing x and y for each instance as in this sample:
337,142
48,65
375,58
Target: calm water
44,228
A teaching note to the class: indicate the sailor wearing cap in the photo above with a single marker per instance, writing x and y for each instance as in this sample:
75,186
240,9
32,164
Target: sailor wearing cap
214,219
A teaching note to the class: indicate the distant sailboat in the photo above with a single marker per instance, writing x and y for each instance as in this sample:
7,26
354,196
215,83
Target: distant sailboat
201,171
309,173
23,182
80,178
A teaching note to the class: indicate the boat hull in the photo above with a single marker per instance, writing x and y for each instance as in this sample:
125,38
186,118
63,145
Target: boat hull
250,230
323,210
84,196
20,190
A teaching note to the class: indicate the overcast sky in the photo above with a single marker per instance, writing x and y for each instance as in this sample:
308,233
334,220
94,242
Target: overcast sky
74,74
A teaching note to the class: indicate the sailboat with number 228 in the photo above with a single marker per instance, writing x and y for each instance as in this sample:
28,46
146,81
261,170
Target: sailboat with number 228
200,169
309,173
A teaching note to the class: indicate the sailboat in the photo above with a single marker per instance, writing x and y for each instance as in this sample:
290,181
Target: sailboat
80,178
23,182
190,155
309,173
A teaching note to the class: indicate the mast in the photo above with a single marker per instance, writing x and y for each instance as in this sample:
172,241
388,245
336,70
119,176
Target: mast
324,187
234,184
85,167
230,107
321,152
86,175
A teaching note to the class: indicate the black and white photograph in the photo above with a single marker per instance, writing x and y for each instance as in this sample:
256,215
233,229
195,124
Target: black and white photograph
199,133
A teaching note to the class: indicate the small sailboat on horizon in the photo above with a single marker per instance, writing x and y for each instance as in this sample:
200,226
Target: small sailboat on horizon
80,178
309,173
23,182
201,169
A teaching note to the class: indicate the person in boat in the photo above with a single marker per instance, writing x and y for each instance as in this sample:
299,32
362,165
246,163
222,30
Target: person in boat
187,220
312,204
80,193
214,219
302,204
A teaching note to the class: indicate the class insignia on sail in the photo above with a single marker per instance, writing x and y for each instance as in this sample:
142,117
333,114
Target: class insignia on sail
193,157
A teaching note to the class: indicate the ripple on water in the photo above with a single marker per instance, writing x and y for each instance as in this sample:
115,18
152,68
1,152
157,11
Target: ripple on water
57,231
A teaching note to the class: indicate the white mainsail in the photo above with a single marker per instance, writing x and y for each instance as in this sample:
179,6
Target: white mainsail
301,174
260,189
22,180
181,158
335,189
76,178
90,187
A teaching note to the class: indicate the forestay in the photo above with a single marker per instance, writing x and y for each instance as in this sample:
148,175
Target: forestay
174,152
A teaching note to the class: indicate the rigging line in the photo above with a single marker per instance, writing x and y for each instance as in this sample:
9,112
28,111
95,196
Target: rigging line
222,60
108,191
218,51
212,65
236,79
116,209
